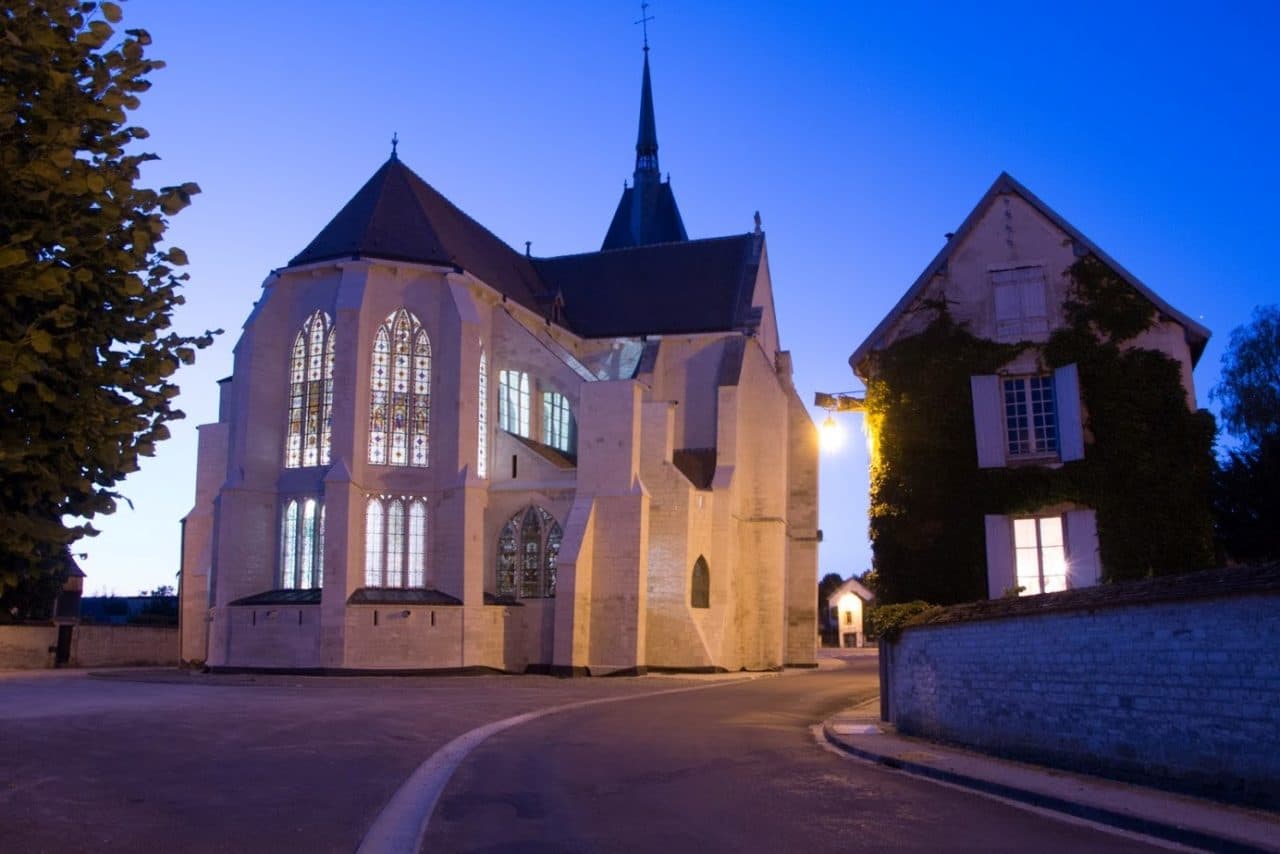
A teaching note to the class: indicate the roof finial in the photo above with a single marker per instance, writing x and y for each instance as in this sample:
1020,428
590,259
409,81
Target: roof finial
395,140
645,18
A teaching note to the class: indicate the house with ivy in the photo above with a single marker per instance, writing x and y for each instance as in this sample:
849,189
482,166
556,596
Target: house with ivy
436,452
1032,417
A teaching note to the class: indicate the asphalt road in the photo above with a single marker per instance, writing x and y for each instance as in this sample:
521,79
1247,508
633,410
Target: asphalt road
735,768
166,761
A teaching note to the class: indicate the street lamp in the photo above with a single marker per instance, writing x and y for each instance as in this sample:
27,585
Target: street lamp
831,434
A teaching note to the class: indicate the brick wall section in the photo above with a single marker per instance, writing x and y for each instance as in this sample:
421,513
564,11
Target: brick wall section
27,647
1131,681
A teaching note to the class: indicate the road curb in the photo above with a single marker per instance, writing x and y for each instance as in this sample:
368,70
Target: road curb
1100,815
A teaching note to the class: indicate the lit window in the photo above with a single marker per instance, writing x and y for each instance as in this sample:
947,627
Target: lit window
482,436
310,394
400,393
1040,555
700,594
513,402
528,554
395,546
1030,416
302,544
1020,306
557,421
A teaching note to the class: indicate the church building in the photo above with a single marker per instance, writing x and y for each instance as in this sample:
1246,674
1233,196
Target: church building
438,453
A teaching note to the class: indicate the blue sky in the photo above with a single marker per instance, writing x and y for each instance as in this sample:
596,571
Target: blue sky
861,132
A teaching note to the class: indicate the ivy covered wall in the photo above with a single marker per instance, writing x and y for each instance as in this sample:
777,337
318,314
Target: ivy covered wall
1145,472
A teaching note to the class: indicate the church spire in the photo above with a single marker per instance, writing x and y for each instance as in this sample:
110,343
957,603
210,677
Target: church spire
647,139
647,212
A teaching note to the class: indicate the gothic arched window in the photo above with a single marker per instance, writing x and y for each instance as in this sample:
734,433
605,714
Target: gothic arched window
302,544
513,402
310,393
482,421
400,392
558,428
700,590
395,541
528,553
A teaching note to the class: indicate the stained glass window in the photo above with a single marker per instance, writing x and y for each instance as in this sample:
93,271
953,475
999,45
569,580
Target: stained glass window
310,393
557,422
482,425
302,544
513,402
395,541
528,552
400,393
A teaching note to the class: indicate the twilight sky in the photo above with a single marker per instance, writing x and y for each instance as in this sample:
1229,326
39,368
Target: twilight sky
861,132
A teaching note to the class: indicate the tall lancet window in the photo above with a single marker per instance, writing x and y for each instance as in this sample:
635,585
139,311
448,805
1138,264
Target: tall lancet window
482,421
395,541
311,393
513,402
400,393
302,544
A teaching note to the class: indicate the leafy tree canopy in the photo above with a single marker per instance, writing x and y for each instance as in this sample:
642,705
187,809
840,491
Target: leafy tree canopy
86,291
1249,390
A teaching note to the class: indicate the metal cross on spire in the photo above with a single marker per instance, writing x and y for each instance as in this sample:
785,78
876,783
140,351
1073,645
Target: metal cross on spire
645,18
395,140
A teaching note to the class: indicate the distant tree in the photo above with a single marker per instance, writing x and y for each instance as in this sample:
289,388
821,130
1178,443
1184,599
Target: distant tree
1246,486
826,587
1249,390
86,294
34,596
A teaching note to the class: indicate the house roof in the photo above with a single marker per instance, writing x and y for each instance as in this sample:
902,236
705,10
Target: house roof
1197,334
670,288
397,216
854,586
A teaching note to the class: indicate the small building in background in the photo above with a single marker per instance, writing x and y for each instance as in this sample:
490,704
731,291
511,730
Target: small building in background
847,605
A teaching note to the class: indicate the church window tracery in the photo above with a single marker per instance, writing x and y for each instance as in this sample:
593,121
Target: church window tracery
528,554
311,393
558,427
395,548
302,544
400,392
513,402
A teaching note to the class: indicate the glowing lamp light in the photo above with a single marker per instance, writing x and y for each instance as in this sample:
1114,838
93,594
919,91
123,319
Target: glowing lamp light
831,436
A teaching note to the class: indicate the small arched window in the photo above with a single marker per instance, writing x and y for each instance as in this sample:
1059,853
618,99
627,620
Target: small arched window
310,393
700,589
395,541
528,554
302,544
513,402
400,392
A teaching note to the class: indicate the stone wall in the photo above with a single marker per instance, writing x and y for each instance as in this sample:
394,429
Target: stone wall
1172,682
29,647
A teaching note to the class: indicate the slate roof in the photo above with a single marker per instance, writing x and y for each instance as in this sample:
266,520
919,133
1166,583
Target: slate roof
670,288
400,596
310,596
646,214
1197,335
667,288
397,216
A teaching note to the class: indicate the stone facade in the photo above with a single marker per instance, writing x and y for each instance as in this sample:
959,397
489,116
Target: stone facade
648,391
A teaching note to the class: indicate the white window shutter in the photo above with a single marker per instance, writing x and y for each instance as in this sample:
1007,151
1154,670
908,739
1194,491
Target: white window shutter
988,423
1066,389
1007,308
1000,574
1084,564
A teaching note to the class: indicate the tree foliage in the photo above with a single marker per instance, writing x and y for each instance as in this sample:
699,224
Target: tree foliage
87,292
1249,390
1146,471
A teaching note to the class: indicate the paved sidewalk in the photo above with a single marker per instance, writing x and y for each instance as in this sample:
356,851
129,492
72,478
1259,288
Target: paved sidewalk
1177,818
